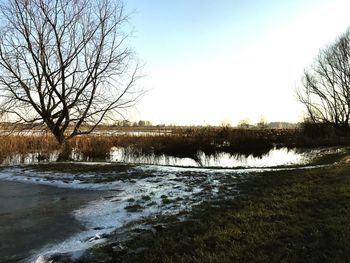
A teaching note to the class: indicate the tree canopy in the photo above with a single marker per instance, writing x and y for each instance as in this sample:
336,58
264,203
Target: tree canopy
325,90
66,64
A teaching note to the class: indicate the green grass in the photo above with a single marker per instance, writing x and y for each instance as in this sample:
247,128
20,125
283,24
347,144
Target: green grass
330,158
285,216
133,208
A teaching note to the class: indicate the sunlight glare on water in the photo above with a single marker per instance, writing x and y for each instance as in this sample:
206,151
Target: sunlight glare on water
275,157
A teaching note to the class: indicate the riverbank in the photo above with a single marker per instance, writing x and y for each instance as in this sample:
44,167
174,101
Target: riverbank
279,216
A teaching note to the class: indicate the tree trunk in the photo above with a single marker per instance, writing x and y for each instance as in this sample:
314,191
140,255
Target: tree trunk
64,154
64,150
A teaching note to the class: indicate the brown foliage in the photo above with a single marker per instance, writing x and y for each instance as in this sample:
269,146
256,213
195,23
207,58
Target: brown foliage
180,142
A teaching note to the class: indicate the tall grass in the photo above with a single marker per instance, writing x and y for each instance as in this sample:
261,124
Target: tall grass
12,144
179,142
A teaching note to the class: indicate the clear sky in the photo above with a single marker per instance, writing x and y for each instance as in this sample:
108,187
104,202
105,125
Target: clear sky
215,61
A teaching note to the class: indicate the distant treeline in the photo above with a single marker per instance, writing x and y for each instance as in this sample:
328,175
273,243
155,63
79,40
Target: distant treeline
125,124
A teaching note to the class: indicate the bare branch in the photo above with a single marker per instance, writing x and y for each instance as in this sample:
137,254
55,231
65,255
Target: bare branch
65,63
326,85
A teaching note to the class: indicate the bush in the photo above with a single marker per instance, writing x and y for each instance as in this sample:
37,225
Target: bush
317,130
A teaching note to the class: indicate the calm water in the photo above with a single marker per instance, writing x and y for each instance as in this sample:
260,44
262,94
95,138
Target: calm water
275,157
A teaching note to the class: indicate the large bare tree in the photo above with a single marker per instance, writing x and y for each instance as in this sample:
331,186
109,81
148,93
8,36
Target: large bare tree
65,63
326,85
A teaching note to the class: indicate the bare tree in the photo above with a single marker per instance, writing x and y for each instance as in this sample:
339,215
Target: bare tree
65,64
326,86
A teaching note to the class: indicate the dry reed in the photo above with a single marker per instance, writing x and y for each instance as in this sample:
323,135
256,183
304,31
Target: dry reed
180,142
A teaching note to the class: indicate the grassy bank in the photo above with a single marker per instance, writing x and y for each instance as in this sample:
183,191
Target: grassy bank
284,216
178,142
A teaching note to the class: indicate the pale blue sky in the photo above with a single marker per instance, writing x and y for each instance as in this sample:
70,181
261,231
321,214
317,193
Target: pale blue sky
208,62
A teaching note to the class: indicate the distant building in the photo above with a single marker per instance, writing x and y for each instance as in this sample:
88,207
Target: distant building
282,125
126,123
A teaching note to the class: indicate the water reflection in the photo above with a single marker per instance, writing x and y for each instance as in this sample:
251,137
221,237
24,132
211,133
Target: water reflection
275,157
30,158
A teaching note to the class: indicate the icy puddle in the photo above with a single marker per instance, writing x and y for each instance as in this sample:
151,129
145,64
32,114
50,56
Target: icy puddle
31,215
119,194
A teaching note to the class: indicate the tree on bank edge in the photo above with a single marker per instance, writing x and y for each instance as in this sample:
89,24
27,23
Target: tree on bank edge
325,90
65,64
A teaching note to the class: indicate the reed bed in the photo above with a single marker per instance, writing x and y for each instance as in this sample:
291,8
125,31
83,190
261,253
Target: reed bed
178,142
21,144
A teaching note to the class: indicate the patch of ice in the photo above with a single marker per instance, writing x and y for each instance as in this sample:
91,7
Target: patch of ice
106,215
62,180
